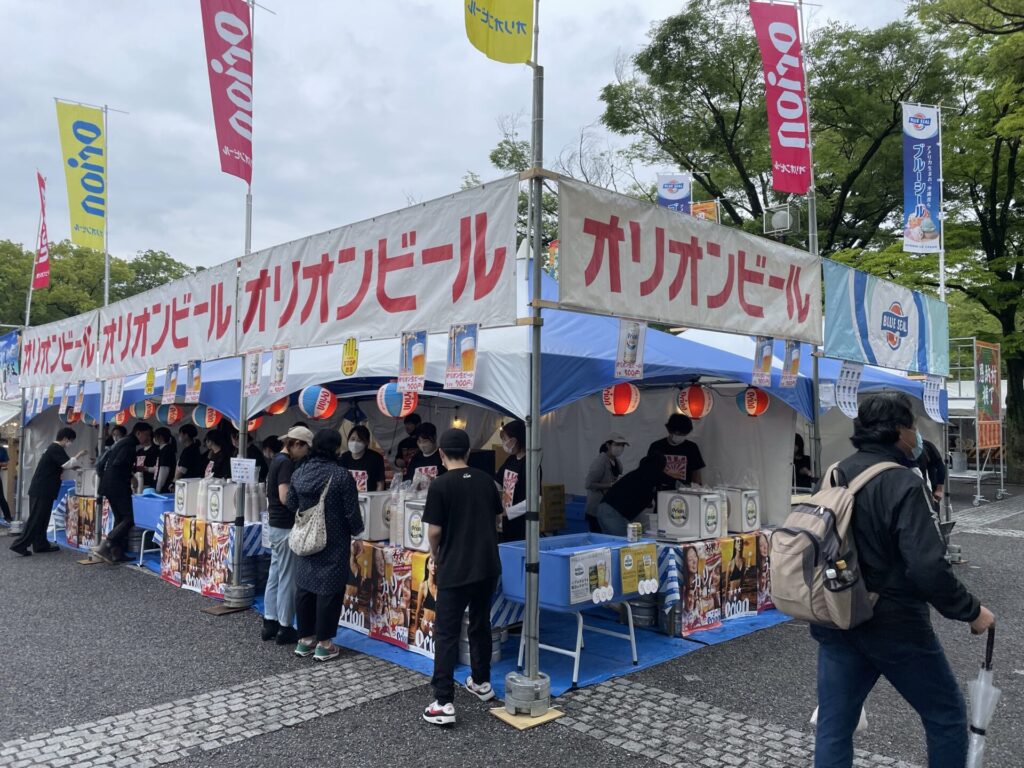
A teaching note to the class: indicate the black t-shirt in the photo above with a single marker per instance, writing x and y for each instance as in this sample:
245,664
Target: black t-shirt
279,473
430,465
632,493
253,451
219,465
167,458
465,503
684,458
46,480
802,480
144,458
512,479
367,470
407,447
193,461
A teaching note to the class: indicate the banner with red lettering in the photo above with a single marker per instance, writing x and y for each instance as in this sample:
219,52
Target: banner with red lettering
187,318
41,273
228,32
61,352
777,27
622,257
451,260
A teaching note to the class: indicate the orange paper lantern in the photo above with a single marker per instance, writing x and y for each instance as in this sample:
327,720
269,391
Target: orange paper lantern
753,401
695,401
621,399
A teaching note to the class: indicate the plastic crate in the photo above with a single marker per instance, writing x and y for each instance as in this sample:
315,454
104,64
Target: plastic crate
148,509
575,508
555,554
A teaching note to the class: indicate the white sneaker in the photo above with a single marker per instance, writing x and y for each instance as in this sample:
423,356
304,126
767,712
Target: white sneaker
438,715
484,692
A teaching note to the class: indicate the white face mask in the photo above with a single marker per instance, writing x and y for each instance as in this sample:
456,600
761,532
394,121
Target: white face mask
356,447
675,439
508,446
426,447
616,450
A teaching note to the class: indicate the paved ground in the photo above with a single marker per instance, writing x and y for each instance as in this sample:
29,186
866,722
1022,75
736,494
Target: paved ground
112,667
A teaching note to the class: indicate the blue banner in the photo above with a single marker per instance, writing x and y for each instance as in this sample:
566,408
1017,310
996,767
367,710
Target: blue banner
873,321
10,366
922,190
675,191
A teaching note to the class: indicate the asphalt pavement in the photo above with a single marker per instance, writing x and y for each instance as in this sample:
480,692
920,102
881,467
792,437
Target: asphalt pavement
111,666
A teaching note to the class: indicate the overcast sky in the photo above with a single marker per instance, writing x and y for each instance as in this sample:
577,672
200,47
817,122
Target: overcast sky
360,105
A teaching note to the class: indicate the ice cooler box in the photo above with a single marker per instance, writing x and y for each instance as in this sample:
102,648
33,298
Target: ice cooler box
744,509
688,515
555,554
415,530
376,514
148,509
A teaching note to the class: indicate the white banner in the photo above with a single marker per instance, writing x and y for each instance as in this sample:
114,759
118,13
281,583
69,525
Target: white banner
60,352
847,387
193,315
451,260
763,357
623,257
932,397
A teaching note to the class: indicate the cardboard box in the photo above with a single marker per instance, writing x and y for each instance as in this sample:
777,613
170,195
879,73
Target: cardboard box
700,586
739,575
552,508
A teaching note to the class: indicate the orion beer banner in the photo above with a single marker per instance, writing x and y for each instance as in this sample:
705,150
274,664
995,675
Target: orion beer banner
626,258
778,36
922,191
83,145
170,324
60,353
451,260
226,27
869,320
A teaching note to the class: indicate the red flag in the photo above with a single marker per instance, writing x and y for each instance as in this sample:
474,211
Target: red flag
226,26
41,272
778,36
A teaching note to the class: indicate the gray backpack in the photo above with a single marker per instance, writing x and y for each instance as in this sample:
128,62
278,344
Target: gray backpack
814,567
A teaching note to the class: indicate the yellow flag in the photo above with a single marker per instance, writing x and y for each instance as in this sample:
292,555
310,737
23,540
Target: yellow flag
501,29
83,146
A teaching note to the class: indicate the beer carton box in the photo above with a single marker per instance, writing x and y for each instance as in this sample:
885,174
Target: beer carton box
170,549
422,605
764,572
389,599
739,575
355,607
552,508
700,582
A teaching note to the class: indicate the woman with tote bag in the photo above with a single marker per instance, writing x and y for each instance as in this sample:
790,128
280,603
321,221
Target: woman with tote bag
321,576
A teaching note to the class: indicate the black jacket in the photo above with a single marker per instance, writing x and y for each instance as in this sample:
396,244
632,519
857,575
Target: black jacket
116,467
901,551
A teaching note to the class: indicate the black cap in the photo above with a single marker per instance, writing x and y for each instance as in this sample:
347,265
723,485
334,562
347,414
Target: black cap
455,441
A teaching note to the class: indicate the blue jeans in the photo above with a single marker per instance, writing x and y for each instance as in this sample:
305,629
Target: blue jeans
279,599
849,665
612,523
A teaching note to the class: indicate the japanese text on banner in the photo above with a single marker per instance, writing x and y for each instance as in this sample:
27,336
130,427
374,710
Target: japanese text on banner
501,29
41,272
447,261
627,258
922,190
162,326
83,146
460,370
60,352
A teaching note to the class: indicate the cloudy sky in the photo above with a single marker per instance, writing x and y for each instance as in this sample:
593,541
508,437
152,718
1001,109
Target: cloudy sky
360,106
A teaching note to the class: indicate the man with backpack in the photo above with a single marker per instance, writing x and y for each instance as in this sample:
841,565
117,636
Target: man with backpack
877,541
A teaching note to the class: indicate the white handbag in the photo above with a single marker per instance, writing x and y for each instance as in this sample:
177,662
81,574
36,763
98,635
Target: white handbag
309,534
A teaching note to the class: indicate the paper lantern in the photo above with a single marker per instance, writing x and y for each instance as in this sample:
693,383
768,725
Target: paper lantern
88,420
254,424
621,399
206,417
753,401
144,409
695,401
396,404
121,417
317,402
70,417
278,407
170,414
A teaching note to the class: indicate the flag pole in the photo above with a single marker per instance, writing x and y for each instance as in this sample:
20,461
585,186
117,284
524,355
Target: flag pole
530,693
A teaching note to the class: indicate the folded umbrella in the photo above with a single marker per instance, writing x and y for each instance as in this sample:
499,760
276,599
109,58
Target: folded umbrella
984,697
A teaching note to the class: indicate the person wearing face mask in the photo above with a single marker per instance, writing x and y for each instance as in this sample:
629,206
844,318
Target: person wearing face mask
603,472
427,460
406,448
43,492
902,560
683,462
511,479
365,465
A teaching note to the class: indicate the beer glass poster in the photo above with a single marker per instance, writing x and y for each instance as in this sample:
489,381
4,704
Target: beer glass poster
412,367
629,360
460,369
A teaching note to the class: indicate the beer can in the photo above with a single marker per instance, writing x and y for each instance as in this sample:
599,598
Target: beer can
634,531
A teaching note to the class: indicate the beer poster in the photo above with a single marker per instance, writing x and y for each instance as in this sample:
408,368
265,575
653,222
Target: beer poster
763,355
764,573
389,601
253,372
701,587
739,575
216,565
87,530
170,384
422,607
355,607
193,543
170,549
629,359
590,576
278,370
71,521
460,369
638,566
412,366
790,364
194,380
